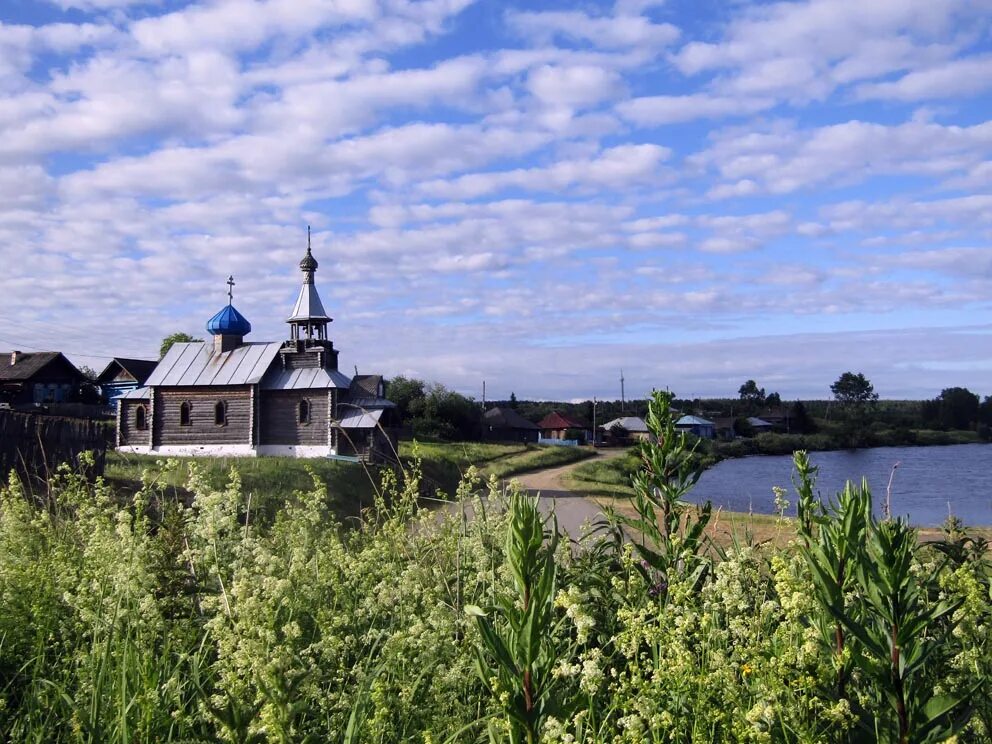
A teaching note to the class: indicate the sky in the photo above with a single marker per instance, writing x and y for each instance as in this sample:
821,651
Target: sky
538,195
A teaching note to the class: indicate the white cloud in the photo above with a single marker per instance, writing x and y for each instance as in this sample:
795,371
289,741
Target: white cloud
617,167
626,29
575,86
783,158
951,79
654,110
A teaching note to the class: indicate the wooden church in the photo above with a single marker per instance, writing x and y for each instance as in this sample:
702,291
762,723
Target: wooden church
231,397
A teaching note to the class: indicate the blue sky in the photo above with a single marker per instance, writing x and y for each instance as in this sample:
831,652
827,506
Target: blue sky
537,195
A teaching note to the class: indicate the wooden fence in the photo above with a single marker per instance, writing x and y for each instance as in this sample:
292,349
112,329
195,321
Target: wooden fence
34,445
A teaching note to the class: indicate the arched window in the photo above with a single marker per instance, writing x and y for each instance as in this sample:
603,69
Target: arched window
304,411
140,418
220,413
185,417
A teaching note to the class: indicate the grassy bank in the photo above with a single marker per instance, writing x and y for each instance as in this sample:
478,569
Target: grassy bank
350,486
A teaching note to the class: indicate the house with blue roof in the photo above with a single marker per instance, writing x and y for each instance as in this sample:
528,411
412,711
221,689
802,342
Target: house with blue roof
230,397
701,427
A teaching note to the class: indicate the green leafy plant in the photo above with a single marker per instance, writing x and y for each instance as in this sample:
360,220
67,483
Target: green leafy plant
669,533
518,651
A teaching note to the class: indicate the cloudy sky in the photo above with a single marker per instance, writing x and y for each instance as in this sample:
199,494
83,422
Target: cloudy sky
697,192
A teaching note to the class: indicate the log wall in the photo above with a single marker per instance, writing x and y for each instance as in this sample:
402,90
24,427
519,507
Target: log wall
279,413
202,429
128,433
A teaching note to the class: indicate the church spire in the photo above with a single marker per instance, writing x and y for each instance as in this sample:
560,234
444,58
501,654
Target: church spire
309,319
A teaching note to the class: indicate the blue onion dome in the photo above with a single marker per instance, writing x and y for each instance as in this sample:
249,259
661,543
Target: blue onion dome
229,322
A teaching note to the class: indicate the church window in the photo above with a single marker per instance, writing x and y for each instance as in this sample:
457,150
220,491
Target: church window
304,412
220,413
140,418
185,419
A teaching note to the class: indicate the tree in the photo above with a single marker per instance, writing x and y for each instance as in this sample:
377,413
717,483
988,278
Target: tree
958,408
751,393
176,338
774,400
800,420
853,390
513,400
403,392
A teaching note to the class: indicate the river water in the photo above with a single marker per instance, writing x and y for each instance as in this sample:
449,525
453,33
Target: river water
926,481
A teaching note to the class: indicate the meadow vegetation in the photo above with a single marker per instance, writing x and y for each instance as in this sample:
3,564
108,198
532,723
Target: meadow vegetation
226,618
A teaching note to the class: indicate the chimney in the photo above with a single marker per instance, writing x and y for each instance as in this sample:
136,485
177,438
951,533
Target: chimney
14,356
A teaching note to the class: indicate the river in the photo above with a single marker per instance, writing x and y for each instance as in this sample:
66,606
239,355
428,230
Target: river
927,480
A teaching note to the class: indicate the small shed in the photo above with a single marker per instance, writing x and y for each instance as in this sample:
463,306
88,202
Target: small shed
122,376
506,425
701,427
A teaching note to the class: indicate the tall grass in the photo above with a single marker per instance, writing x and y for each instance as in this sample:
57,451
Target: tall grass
197,611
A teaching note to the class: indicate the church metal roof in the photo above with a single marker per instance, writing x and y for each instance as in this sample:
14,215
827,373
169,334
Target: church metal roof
308,305
198,364
314,378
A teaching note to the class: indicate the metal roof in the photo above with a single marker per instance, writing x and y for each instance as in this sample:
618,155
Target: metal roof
693,421
198,364
305,379
308,305
360,420
630,423
140,393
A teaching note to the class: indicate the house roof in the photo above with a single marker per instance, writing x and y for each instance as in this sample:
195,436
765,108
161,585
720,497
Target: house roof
556,420
506,418
139,369
30,364
758,422
197,363
140,393
693,421
366,386
632,424
311,378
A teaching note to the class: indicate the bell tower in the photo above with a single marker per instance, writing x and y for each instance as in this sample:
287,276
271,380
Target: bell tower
308,340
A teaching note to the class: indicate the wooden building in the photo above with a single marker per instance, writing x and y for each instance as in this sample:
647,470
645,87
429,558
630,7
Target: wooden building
37,378
231,397
122,376
557,425
506,425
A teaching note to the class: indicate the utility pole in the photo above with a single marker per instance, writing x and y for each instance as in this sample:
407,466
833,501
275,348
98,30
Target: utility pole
482,418
622,401
594,429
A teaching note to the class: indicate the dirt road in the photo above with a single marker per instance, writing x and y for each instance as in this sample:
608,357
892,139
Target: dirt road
572,510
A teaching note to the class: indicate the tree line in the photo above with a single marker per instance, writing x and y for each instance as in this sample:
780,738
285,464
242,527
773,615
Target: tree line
429,410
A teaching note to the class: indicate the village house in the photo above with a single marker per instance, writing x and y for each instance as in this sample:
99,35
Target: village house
37,378
697,425
122,376
628,427
561,426
506,425
230,397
